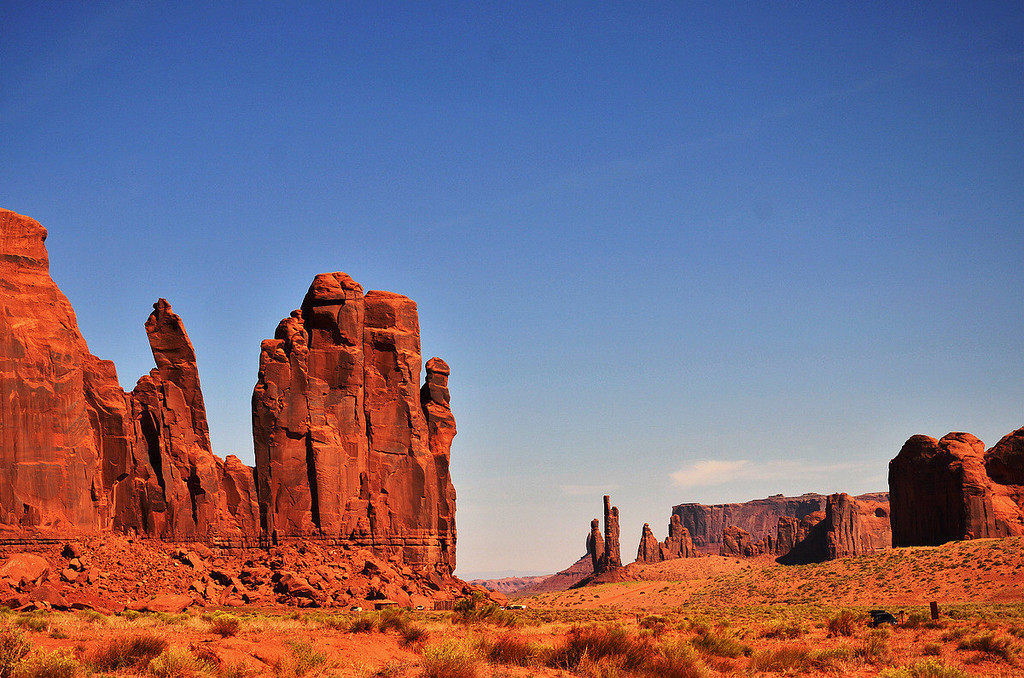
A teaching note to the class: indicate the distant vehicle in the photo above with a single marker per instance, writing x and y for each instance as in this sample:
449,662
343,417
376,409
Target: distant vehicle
879,617
515,607
419,607
355,608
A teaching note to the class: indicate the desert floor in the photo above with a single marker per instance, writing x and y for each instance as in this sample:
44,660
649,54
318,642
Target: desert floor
703,617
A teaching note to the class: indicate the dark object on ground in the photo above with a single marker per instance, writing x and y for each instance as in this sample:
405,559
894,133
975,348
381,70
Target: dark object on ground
879,617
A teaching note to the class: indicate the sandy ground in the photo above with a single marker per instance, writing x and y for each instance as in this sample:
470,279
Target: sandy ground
756,605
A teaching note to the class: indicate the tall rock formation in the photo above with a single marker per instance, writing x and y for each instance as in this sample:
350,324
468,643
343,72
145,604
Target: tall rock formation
942,490
604,551
50,479
348,446
678,544
854,527
78,455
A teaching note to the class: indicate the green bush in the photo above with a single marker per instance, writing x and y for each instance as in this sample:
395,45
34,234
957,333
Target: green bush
931,649
599,642
413,634
788,630
475,608
676,659
876,646
33,621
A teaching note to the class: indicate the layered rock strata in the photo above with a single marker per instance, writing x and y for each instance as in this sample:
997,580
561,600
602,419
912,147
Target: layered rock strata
348,445
952,489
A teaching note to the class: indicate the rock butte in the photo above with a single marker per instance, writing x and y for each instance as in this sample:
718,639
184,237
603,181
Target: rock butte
350,450
951,489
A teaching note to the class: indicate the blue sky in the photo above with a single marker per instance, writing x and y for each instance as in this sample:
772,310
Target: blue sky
672,251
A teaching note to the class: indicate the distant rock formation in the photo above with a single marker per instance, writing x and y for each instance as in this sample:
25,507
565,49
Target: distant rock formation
563,580
737,542
952,489
604,552
678,544
760,517
855,527
350,449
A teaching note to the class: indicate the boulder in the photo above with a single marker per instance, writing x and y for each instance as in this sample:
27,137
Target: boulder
171,603
24,568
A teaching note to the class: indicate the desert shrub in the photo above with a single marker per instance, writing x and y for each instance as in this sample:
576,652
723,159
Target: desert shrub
364,623
413,634
916,620
177,663
13,648
953,634
991,644
391,669
125,652
598,642
787,629
1017,631
168,618
926,668
788,657
830,657
508,649
33,621
931,649
676,659
876,646
475,608
392,620
656,624
130,615
238,669
720,644
225,625
94,617
449,660
40,664
841,624
304,658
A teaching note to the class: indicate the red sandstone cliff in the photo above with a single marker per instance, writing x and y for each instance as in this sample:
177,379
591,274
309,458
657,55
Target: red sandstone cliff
950,489
348,446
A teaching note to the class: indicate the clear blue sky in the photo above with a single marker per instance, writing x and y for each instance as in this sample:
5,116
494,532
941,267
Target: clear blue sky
672,251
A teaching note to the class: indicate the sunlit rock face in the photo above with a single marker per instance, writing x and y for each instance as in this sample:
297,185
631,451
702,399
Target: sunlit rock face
78,455
951,489
349,445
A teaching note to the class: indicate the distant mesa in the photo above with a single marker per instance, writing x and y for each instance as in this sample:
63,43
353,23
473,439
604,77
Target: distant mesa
678,544
351,449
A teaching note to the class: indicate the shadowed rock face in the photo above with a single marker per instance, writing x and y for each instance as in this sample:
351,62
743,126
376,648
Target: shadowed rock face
707,522
950,489
348,445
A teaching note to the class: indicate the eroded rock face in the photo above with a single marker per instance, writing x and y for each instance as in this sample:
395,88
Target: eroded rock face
706,522
604,551
678,544
736,542
942,490
78,455
348,445
50,474
854,527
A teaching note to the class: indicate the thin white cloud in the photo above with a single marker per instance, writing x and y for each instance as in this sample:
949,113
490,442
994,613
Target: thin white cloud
584,490
707,472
